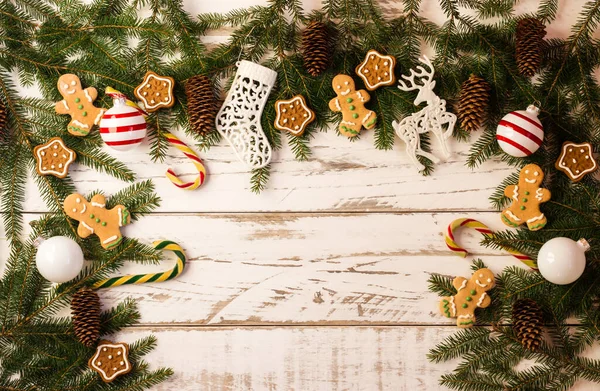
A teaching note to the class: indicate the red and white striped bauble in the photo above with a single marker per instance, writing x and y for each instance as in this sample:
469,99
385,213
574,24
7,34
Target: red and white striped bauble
122,127
520,133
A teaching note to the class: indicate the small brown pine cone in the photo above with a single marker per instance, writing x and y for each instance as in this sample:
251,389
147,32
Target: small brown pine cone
316,48
530,35
473,103
202,106
527,319
85,310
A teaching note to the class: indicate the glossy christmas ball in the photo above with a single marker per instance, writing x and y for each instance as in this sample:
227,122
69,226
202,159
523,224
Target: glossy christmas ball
520,133
59,259
562,260
122,127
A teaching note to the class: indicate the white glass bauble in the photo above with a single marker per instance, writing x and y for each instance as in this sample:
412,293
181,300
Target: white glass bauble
59,259
562,260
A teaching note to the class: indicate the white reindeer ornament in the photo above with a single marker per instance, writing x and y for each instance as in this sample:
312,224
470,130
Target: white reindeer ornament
431,118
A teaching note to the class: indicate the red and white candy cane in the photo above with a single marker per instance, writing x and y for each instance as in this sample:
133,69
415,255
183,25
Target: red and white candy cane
484,230
187,151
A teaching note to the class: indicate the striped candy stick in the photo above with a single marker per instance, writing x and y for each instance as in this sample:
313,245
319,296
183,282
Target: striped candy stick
177,143
150,277
484,230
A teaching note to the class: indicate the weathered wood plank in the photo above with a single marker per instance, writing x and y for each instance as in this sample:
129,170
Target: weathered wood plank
302,358
302,268
341,176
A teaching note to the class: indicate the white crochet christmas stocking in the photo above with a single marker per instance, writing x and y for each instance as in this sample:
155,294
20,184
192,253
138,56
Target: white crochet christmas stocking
239,118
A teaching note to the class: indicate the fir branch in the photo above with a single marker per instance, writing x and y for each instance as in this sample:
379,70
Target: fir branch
442,285
260,177
459,344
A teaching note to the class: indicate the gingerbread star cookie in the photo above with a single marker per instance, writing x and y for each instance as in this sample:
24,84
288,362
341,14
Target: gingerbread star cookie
111,360
377,70
293,115
576,160
54,158
156,91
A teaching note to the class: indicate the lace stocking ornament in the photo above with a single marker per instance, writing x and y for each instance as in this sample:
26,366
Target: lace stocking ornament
239,118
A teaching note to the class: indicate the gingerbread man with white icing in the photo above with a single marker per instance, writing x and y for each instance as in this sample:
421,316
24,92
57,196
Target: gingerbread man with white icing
94,218
352,105
526,199
79,104
470,295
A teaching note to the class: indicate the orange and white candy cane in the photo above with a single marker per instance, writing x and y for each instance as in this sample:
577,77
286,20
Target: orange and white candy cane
483,229
187,151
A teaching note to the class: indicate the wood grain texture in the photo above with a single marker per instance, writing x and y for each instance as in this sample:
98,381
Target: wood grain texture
318,283
341,176
307,268
301,358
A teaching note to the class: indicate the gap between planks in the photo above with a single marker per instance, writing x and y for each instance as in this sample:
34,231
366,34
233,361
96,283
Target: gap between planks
305,212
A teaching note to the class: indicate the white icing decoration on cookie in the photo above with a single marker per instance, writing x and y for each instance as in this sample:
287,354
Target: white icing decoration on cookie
112,238
480,284
483,295
87,226
464,284
512,215
539,194
536,218
367,117
99,205
99,117
79,123
87,95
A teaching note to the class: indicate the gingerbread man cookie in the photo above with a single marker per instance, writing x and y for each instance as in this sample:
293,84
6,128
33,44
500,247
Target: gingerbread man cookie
526,199
352,105
111,360
79,104
470,295
94,218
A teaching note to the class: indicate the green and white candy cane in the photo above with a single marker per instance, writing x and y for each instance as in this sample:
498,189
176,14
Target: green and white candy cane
149,277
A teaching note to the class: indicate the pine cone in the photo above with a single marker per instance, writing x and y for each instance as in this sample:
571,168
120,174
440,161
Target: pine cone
527,323
202,106
530,34
316,49
473,103
85,309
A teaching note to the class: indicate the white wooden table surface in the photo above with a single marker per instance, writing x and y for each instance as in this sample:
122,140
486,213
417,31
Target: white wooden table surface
318,283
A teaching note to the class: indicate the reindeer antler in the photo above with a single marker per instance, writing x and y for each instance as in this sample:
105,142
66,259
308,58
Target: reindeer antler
422,74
